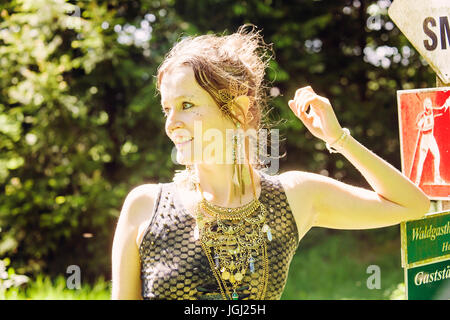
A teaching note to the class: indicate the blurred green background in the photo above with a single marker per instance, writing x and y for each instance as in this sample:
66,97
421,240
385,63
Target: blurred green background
81,125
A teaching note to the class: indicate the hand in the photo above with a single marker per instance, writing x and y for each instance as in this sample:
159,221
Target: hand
321,120
447,104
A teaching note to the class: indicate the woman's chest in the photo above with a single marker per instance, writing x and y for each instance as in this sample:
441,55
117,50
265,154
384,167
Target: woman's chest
175,266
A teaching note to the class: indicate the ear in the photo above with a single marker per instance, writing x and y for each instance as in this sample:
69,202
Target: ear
243,102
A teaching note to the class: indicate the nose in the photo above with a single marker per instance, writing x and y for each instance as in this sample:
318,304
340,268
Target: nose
171,127
172,122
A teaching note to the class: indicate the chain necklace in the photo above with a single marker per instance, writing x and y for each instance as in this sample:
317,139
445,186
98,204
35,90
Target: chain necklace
233,239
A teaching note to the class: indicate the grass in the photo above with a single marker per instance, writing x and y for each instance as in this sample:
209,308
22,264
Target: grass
333,264
44,288
329,265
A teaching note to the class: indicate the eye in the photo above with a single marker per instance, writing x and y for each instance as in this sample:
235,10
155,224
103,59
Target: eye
187,105
184,105
165,111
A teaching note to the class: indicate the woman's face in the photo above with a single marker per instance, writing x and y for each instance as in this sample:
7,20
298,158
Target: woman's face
194,122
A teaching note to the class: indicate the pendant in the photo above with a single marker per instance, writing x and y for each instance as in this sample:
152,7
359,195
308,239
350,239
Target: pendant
235,296
225,275
267,230
251,263
216,260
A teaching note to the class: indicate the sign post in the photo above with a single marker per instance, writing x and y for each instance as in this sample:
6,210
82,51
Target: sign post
426,257
426,24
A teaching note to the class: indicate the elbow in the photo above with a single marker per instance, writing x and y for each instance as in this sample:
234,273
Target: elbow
420,208
418,205
427,204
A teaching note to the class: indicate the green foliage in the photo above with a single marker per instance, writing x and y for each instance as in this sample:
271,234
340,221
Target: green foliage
80,126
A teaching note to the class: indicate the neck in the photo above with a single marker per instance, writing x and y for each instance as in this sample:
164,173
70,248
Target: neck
216,184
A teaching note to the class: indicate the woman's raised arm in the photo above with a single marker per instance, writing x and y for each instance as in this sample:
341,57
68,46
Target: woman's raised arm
337,205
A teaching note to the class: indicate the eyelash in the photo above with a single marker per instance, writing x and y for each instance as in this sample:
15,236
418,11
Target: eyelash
165,110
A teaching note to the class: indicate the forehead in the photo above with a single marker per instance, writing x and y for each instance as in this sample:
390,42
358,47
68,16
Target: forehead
179,81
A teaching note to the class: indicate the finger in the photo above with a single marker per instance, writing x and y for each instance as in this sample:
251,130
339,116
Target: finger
304,100
298,92
321,102
306,119
293,105
316,102
296,107
310,89
308,98
301,94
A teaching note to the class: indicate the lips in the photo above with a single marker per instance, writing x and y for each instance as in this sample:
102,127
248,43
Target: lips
182,140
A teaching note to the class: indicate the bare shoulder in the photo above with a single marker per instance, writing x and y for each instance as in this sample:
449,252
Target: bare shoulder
138,204
137,210
296,178
142,192
300,187
302,181
137,207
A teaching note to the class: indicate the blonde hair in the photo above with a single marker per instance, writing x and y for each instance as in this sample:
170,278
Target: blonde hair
220,60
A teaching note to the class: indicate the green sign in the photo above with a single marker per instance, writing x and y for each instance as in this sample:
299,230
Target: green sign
426,257
426,240
429,282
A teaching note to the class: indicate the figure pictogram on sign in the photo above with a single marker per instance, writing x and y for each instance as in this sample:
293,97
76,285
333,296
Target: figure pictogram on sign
425,125
424,120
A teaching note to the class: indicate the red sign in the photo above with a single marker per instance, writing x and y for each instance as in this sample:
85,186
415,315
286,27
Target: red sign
424,121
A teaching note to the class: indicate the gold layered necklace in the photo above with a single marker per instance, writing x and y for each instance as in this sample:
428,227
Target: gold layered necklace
233,239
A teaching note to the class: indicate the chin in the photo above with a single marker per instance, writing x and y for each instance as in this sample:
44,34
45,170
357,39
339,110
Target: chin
184,159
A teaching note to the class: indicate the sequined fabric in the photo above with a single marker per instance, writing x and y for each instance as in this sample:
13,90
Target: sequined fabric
174,266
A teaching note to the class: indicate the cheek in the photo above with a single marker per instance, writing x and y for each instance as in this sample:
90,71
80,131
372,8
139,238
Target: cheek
166,128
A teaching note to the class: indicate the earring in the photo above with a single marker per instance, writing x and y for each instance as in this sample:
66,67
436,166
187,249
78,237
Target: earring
238,182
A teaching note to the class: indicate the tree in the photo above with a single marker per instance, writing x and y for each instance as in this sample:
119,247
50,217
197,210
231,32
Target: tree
81,126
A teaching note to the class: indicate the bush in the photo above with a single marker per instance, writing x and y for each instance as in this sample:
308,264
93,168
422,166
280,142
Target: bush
72,141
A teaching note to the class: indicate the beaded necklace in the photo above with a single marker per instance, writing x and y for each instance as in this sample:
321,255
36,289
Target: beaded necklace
232,239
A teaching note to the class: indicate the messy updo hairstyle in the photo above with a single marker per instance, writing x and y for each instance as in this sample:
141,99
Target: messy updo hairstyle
220,60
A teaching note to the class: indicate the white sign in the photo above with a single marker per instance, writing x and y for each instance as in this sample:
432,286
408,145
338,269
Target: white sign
426,24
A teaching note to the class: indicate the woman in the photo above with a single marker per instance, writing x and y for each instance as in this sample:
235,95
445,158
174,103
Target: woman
225,229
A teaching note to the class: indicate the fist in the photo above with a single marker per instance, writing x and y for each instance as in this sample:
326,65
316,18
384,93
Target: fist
317,114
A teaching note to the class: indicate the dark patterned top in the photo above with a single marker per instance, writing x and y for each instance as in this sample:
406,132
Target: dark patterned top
174,266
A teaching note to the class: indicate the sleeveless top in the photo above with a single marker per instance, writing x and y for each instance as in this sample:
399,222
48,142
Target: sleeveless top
174,266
